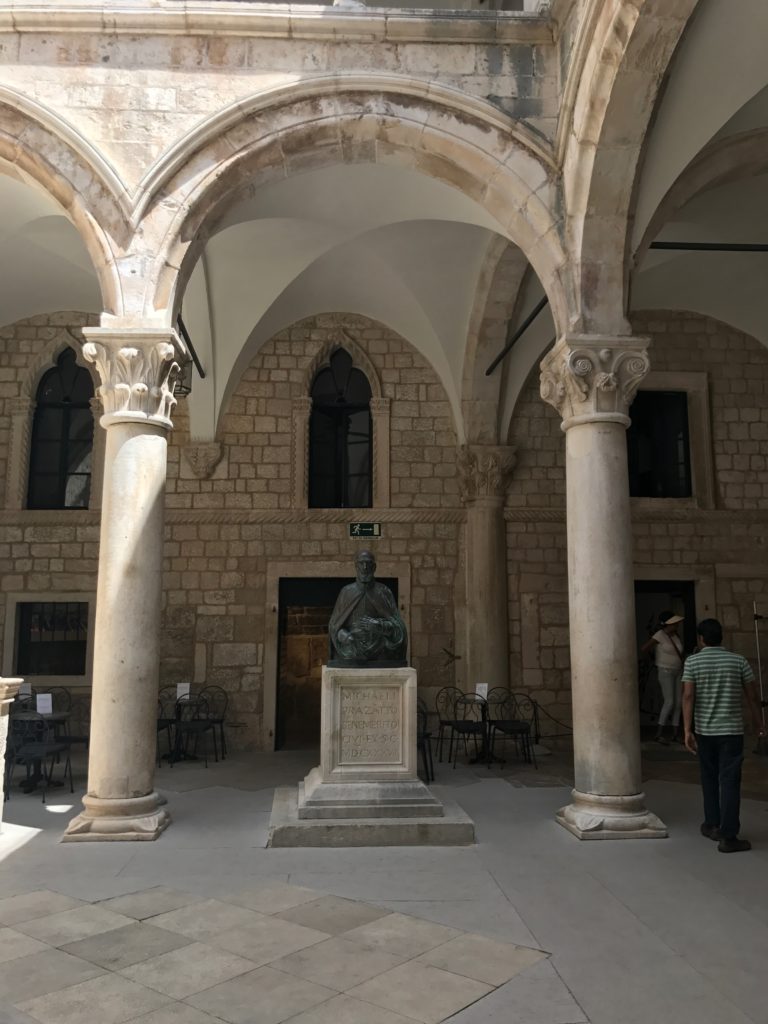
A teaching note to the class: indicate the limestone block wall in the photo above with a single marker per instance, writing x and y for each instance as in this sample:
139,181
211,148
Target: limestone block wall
723,550
132,96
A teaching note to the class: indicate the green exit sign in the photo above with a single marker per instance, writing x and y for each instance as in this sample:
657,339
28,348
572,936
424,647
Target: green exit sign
365,529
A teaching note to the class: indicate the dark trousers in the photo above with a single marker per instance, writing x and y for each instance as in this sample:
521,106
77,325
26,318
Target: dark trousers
720,759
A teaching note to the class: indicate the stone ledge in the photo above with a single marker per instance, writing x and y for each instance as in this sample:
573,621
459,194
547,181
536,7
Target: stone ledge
455,828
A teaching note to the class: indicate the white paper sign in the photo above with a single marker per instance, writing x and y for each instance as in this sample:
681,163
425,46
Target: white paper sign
481,690
25,690
44,704
182,690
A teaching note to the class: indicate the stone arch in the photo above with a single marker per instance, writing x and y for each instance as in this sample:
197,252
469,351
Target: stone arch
497,296
43,148
359,358
620,75
723,161
438,131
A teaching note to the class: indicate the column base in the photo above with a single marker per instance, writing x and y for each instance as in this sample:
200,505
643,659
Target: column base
610,817
134,819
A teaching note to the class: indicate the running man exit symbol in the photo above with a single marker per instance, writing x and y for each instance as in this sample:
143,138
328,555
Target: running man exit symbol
365,529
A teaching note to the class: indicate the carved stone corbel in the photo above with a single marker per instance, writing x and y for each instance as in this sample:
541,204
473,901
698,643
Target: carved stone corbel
203,458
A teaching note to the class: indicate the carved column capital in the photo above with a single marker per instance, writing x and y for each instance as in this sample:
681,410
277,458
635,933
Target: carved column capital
485,471
593,378
380,405
21,406
137,369
302,405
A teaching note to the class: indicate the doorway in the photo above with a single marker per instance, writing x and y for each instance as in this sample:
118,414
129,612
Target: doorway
651,598
304,611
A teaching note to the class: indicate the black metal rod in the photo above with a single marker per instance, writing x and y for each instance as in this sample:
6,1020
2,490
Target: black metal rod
712,246
185,335
518,334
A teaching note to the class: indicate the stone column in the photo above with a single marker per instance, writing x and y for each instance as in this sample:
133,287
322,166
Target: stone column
21,411
137,369
302,409
591,381
484,475
380,428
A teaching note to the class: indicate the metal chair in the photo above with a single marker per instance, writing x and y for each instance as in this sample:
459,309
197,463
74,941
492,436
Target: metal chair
31,742
471,719
424,739
193,721
514,718
218,702
445,705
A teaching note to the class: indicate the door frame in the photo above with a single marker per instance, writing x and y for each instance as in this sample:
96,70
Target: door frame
303,569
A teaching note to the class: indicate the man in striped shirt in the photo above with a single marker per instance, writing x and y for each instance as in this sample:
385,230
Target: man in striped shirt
715,682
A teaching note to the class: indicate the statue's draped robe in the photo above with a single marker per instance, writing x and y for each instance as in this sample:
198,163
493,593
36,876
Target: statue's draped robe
354,640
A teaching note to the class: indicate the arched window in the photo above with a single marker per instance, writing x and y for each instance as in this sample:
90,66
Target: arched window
340,435
62,437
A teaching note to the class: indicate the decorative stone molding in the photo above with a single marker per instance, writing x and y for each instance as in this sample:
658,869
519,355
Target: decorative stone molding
202,459
589,378
97,455
137,371
21,411
485,471
300,413
381,409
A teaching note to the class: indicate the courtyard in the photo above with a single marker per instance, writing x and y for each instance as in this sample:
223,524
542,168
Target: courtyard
529,926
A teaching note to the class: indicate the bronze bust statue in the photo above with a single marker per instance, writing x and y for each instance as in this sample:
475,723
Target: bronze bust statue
366,630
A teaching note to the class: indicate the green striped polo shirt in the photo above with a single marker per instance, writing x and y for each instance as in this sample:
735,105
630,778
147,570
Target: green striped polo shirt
719,677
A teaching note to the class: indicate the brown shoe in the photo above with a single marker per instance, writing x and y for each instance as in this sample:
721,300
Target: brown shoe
734,845
711,832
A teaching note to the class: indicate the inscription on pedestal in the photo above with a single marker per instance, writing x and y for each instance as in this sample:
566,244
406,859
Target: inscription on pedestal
370,725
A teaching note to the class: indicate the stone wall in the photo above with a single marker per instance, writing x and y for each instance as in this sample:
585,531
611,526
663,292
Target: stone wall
223,532
719,549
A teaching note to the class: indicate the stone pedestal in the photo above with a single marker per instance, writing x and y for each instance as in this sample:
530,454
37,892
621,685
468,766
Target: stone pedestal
366,790
9,688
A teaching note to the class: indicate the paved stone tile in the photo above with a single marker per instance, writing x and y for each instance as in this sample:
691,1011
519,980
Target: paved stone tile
183,972
14,944
272,897
332,914
126,946
482,959
536,996
267,939
174,1013
40,903
345,1010
41,973
422,992
337,963
264,996
403,936
210,917
150,902
108,1000
71,925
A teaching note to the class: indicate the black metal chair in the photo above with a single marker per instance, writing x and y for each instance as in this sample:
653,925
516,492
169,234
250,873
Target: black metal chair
424,739
218,702
31,742
166,722
514,719
192,723
445,705
471,719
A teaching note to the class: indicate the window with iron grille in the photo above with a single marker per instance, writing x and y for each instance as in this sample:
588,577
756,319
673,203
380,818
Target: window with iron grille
340,436
658,449
62,437
51,638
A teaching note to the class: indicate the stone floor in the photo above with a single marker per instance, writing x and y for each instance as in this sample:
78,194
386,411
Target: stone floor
527,927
